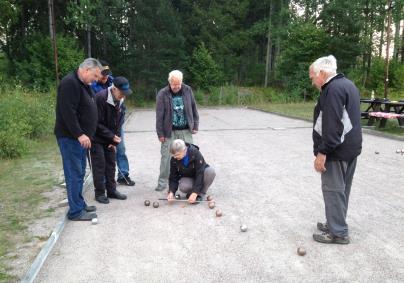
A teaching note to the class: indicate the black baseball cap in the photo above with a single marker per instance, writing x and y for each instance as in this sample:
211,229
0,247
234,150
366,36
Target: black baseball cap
105,70
122,84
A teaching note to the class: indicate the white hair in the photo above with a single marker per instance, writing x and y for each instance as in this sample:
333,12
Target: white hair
90,63
327,64
175,74
177,146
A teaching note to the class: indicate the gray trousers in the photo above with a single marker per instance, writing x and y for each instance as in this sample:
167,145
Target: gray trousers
184,135
186,184
336,184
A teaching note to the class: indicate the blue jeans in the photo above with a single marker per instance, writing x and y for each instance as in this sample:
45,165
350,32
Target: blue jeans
122,159
74,167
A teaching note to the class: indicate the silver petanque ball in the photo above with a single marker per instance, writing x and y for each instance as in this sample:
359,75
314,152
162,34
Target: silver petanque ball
243,228
94,221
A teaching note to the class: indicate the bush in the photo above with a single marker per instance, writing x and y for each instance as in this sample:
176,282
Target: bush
23,116
204,71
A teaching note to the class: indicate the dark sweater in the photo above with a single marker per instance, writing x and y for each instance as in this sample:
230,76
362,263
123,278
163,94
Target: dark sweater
196,169
337,131
109,119
76,111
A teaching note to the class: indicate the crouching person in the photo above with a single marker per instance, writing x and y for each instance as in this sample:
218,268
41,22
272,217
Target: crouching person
188,172
103,152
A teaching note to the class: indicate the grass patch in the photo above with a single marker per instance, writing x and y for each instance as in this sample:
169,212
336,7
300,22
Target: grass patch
302,110
22,182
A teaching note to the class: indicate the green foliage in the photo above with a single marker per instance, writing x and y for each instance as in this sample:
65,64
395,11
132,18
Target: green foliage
38,70
204,71
23,116
305,43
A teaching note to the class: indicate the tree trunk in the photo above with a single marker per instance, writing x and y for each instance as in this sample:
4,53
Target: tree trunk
88,41
396,39
381,43
387,60
269,45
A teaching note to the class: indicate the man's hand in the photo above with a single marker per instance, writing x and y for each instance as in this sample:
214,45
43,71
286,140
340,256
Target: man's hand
170,196
162,139
112,147
192,197
319,162
194,131
116,139
84,141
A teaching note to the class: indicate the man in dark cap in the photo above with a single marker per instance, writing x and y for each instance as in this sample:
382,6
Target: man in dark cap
107,137
122,162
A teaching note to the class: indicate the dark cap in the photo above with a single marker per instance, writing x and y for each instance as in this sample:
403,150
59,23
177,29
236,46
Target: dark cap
122,84
105,70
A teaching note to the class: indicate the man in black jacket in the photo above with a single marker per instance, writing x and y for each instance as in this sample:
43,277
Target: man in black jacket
337,137
76,123
108,136
188,172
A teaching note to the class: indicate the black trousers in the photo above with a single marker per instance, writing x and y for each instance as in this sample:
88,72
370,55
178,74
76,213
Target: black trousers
103,163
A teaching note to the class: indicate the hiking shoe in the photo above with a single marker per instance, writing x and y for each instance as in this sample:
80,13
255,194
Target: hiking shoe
126,181
323,227
327,238
102,199
116,195
90,208
85,216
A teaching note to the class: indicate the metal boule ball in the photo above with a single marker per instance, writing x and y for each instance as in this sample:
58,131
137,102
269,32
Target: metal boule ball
147,202
402,151
94,221
211,204
177,197
376,152
156,204
219,213
243,228
301,251
398,151
209,198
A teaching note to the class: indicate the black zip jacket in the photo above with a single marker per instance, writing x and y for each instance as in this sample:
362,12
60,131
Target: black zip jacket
195,170
109,119
337,131
76,111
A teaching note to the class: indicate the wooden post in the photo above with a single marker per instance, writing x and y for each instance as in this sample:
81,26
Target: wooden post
52,30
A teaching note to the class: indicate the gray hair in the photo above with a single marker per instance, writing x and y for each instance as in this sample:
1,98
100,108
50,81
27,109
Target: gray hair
90,63
327,64
177,146
175,74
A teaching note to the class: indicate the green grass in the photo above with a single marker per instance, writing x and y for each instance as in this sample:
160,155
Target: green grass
302,110
22,182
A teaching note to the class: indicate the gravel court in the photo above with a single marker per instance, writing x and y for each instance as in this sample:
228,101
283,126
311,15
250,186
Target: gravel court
265,179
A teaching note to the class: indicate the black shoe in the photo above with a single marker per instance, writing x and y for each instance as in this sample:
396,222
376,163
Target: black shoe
90,208
323,227
102,199
327,238
126,181
85,216
116,195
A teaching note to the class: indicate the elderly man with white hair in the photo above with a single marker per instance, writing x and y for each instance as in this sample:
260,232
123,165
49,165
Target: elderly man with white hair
189,172
337,137
176,118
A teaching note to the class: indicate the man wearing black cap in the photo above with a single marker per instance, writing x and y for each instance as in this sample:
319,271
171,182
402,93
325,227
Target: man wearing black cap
108,136
122,162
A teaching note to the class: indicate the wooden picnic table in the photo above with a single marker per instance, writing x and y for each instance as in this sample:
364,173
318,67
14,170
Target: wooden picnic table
378,109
